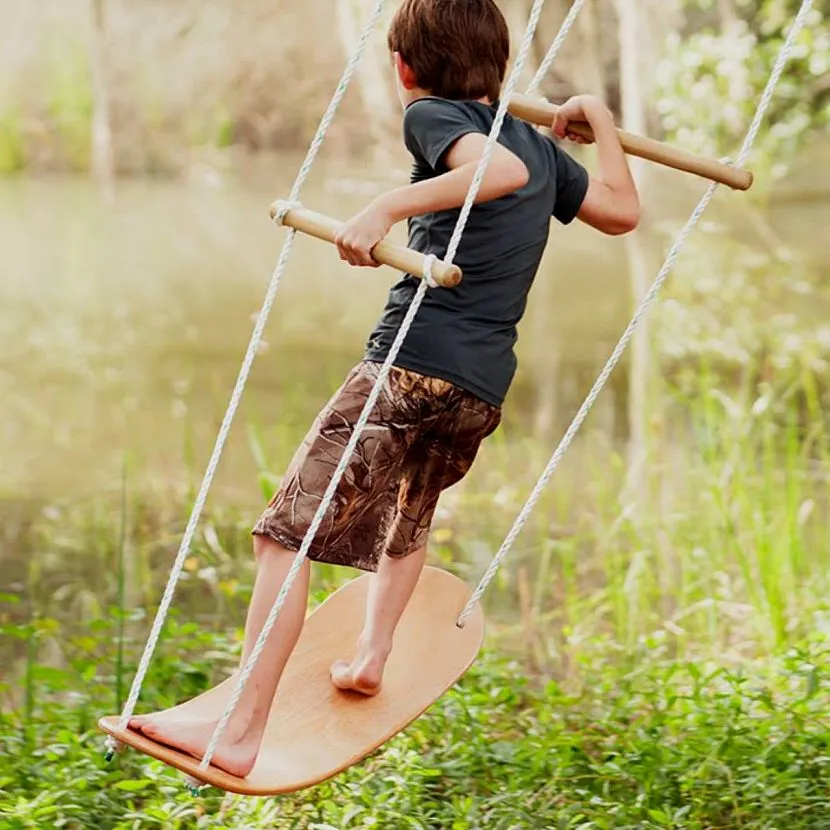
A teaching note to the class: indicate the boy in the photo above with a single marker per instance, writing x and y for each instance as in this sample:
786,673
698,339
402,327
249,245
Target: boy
445,391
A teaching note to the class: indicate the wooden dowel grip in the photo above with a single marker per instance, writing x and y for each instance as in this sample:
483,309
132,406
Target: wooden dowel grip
397,256
543,112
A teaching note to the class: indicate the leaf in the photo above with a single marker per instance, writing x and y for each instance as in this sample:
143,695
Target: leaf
812,681
132,786
51,676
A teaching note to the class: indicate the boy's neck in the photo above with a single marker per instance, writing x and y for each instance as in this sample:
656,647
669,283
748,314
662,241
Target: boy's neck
417,93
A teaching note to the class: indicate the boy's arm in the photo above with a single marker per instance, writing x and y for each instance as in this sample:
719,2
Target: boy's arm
505,174
611,204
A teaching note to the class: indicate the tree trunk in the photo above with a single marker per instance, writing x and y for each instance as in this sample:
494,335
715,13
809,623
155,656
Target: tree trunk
591,67
632,27
517,15
589,74
103,161
373,71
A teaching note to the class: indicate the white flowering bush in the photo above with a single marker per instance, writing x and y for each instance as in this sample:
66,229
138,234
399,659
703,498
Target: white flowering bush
710,81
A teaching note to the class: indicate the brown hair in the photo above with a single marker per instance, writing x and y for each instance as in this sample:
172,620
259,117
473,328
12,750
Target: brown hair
458,49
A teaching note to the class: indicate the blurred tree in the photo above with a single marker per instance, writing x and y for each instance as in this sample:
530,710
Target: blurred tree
714,72
374,71
716,67
579,68
633,94
103,162
591,64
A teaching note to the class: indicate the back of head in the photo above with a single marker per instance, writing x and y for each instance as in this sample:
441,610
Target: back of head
458,49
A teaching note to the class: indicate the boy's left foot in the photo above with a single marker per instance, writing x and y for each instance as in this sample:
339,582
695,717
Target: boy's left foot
364,674
193,709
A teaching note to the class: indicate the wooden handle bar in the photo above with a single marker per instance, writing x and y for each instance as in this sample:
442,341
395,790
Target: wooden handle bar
543,112
398,256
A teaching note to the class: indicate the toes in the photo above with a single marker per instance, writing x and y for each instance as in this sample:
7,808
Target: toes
340,674
152,730
346,677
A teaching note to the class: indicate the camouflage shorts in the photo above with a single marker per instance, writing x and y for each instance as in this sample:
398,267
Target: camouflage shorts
422,437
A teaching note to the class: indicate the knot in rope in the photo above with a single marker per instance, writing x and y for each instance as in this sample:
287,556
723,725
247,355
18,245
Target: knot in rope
113,747
429,264
283,207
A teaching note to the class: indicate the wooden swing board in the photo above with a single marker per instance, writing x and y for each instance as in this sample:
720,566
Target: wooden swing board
315,730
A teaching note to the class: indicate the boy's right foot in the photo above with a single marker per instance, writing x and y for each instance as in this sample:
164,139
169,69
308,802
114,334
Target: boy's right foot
364,674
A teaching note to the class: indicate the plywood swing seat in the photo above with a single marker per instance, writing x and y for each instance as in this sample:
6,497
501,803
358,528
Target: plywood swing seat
316,730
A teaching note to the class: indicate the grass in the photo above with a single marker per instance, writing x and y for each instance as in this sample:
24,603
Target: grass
649,668
12,143
649,742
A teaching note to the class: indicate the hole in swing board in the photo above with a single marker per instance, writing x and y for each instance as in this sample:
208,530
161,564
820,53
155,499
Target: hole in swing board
315,730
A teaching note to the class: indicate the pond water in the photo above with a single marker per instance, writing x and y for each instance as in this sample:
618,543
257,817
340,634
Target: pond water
122,326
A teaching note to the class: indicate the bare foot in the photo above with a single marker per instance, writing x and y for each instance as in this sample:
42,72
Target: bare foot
236,753
177,715
197,708
364,674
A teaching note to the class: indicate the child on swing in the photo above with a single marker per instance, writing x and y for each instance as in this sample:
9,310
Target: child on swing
445,391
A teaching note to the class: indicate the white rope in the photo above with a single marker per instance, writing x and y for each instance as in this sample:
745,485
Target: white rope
640,313
184,548
253,346
550,57
376,389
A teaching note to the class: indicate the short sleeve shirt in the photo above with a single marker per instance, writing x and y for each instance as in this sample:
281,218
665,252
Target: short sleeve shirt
467,334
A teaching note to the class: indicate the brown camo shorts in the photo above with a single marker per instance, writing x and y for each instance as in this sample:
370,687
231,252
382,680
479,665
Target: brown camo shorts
422,437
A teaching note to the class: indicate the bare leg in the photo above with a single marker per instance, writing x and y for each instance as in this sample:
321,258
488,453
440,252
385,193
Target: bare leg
190,729
389,592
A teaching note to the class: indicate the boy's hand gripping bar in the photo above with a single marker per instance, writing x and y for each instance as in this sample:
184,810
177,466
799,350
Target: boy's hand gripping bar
387,253
542,112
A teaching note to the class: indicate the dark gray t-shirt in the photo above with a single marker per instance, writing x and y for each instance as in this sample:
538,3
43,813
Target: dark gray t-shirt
466,334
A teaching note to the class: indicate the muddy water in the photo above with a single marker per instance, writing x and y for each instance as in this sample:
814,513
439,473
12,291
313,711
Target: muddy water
122,325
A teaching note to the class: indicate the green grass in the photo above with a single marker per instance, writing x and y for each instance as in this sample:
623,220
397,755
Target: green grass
12,142
648,742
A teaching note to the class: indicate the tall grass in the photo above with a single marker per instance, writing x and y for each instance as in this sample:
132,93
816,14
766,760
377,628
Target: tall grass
12,141
725,554
121,595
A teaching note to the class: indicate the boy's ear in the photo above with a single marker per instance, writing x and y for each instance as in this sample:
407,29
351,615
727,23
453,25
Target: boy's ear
406,75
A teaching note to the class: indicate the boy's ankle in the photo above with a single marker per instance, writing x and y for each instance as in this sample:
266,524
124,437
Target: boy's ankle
374,646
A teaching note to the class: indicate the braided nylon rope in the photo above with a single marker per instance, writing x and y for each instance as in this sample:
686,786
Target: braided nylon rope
253,346
376,390
546,64
783,57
